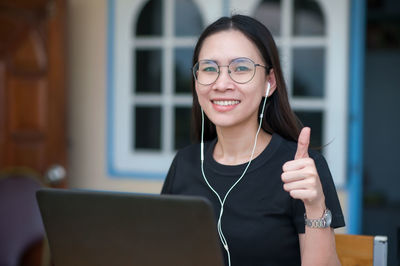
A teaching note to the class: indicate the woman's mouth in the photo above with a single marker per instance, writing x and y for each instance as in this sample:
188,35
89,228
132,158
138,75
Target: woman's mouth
225,102
224,105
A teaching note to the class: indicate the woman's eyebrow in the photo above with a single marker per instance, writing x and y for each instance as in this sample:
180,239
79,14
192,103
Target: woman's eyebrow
240,58
209,60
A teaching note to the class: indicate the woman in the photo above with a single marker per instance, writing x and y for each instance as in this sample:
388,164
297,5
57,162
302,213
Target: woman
275,200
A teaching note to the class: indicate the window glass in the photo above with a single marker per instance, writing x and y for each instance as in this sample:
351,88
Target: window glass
188,20
308,72
269,13
313,119
148,71
183,71
182,126
147,128
149,22
308,18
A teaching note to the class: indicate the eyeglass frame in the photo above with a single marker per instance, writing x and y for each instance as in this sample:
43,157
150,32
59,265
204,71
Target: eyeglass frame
229,71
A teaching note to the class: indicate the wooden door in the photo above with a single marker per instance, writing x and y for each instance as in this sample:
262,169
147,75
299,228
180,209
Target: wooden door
33,85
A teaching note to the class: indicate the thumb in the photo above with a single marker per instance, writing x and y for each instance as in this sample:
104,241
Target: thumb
303,143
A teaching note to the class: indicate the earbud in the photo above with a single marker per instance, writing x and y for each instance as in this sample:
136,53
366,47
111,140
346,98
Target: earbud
265,100
268,87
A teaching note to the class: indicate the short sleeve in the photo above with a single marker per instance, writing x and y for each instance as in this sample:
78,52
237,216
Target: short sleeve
169,180
331,197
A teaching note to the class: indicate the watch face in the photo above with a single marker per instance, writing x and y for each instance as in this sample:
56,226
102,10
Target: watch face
328,217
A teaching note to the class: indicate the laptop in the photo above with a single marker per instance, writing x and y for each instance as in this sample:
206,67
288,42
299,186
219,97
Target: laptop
95,228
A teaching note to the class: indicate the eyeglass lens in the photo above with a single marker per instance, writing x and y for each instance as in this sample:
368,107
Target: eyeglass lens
241,70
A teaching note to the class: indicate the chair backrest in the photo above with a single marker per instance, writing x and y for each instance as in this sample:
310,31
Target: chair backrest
20,222
361,250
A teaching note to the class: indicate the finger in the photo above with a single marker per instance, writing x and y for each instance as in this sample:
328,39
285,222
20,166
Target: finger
303,143
297,164
292,176
305,184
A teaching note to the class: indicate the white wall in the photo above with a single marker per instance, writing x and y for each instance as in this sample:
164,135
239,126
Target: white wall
87,54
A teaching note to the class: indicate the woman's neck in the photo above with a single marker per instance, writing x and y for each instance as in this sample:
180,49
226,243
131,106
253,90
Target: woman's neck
234,146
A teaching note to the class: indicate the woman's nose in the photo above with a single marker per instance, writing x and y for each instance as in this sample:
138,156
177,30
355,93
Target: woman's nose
224,80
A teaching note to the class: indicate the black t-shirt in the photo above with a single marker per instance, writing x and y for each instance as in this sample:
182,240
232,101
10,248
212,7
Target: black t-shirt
261,222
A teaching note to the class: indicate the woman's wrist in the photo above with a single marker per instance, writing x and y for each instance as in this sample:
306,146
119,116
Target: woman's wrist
315,211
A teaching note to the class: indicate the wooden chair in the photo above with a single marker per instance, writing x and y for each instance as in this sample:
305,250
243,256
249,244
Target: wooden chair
357,250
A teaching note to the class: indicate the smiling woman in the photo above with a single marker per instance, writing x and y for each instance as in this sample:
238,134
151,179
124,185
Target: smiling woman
241,85
274,199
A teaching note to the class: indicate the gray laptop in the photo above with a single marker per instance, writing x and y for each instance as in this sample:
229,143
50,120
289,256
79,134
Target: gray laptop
94,228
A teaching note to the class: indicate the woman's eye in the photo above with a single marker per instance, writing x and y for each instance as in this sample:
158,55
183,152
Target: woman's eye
241,69
210,69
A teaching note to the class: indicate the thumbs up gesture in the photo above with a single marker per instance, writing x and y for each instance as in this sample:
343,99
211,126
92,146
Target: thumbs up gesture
300,176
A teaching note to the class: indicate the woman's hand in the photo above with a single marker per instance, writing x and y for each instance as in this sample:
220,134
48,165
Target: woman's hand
301,180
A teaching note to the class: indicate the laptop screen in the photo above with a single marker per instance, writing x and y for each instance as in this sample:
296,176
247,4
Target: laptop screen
116,228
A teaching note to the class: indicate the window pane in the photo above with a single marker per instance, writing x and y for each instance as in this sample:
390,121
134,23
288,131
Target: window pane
183,72
148,71
308,18
150,18
182,126
147,128
308,72
269,13
187,18
313,119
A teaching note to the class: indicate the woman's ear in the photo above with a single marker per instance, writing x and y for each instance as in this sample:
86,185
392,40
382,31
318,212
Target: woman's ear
272,82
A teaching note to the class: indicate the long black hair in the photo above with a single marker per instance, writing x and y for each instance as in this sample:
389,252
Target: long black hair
278,116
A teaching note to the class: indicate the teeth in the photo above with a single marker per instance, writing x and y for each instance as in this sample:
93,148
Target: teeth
226,103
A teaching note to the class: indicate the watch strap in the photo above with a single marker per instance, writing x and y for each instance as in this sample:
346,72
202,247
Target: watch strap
317,223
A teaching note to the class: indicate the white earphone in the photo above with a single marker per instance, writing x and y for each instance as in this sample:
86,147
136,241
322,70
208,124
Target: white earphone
268,88
222,201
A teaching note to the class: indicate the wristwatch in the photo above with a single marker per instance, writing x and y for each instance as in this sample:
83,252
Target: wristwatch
323,222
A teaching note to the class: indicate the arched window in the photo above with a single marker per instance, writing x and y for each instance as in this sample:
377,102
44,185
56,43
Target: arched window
152,74
149,74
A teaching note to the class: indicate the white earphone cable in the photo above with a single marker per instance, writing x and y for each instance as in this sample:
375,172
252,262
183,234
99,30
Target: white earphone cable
222,202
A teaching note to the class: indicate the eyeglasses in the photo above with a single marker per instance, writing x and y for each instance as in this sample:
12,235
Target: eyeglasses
241,70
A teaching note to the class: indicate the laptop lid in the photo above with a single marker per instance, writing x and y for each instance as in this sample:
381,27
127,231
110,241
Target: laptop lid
95,228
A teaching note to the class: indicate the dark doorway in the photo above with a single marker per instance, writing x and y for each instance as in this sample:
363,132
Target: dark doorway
381,211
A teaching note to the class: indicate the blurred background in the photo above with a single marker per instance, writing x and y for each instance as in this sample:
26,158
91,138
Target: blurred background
96,94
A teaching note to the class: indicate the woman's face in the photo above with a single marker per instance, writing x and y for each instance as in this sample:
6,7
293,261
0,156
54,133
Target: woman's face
225,102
